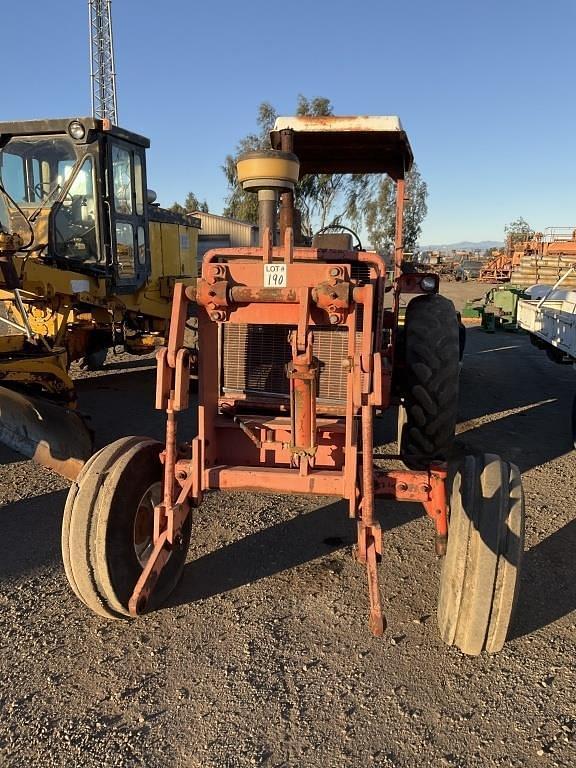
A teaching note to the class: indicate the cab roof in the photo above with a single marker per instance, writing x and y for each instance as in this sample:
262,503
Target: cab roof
347,144
60,126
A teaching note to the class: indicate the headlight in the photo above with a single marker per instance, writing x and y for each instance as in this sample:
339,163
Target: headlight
76,130
428,283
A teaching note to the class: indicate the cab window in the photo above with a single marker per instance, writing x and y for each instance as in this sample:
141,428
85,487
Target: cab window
122,179
76,217
13,178
141,246
138,184
32,168
125,249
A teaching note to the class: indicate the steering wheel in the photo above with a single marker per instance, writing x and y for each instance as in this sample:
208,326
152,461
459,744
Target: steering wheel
42,193
40,190
339,227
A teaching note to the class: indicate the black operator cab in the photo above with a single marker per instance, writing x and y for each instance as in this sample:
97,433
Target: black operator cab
75,190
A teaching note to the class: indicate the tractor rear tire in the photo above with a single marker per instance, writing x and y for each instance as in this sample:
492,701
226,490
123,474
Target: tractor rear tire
430,388
480,573
94,360
108,525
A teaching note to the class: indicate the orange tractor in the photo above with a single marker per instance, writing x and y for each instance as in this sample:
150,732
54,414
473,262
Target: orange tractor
300,346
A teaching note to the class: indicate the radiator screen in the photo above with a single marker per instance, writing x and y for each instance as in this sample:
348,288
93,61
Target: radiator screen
255,357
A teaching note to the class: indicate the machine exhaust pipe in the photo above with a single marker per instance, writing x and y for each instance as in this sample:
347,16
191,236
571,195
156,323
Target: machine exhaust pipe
51,434
267,202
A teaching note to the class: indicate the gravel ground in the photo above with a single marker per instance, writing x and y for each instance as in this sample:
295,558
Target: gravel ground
263,656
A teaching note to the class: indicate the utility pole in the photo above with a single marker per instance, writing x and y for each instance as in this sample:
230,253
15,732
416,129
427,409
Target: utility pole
102,70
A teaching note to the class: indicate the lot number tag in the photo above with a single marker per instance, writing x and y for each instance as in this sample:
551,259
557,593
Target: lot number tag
274,275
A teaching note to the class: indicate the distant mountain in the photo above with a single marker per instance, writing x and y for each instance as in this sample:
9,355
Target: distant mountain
464,245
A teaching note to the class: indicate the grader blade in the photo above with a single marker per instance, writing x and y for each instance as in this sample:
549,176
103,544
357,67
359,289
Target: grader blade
51,434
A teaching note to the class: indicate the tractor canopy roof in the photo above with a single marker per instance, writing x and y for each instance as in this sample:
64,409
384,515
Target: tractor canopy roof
93,127
347,144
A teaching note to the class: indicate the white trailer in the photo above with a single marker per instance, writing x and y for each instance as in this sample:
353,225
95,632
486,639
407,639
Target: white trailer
549,316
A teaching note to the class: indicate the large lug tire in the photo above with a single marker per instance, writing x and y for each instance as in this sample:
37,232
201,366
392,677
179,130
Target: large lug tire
430,381
107,527
94,360
480,573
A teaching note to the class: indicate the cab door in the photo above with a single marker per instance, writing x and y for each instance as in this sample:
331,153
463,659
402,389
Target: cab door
128,215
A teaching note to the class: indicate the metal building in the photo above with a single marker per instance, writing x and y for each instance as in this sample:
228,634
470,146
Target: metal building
222,232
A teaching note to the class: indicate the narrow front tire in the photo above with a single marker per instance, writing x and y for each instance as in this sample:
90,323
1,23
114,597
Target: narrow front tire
107,530
481,570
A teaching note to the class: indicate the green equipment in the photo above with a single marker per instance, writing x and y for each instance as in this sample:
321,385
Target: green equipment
498,308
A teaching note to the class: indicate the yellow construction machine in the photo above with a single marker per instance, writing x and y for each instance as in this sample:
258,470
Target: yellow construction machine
87,261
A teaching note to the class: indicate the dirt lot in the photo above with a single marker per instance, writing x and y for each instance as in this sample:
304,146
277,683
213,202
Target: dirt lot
263,656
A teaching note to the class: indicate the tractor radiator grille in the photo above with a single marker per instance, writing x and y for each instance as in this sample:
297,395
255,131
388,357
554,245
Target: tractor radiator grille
255,356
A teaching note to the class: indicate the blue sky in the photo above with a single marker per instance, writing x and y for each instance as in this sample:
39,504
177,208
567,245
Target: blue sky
485,90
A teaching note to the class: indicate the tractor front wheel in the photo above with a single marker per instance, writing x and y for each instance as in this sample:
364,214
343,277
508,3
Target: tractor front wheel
107,530
480,574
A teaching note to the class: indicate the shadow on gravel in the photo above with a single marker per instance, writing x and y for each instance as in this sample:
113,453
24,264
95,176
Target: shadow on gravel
140,380
278,548
503,371
123,404
528,438
548,586
147,362
30,534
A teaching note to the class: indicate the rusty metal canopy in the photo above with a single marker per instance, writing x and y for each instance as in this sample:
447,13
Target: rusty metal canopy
351,144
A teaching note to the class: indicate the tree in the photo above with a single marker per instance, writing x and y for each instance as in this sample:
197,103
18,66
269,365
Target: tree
191,204
365,201
415,208
314,195
240,204
378,202
517,232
